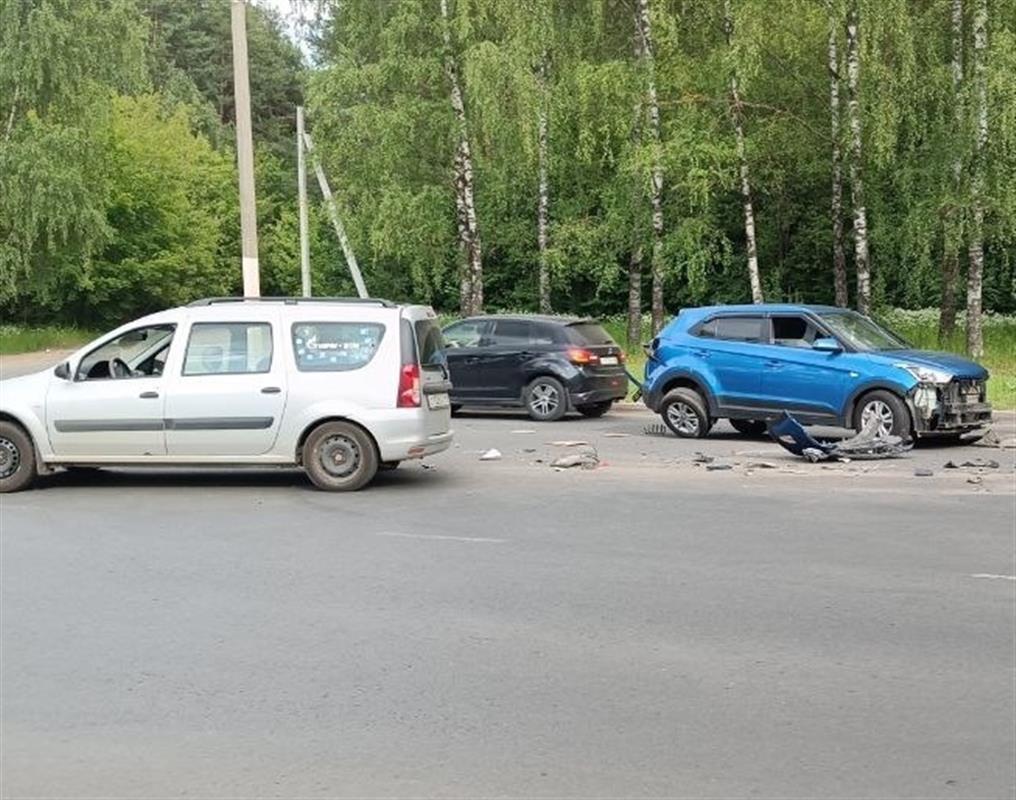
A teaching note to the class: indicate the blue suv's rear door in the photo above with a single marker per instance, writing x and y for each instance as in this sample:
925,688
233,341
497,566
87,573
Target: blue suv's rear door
732,350
798,378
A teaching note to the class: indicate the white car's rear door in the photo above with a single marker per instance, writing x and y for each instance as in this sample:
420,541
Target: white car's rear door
229,394
434,383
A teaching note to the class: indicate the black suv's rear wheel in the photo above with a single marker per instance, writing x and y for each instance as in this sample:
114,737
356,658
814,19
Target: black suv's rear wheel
17,458
685,413
340,457
749,427
595,409
546,399
890,411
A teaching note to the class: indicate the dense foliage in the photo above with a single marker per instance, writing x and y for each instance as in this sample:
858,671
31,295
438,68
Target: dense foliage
117,172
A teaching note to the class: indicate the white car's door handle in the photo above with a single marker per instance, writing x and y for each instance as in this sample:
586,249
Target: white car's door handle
149,395
271,390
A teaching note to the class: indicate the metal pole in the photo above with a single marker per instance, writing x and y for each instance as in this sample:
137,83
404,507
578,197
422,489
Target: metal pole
301,183
245,153
333,213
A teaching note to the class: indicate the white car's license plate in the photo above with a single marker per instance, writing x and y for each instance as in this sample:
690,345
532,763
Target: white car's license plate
609,361
436,401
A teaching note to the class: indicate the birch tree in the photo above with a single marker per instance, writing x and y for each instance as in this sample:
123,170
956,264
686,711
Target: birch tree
737,116
950,249
471,282
543,203
839,252
975,270
644,35
635,257
860,211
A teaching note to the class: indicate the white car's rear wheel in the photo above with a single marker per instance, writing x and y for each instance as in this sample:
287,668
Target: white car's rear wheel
340,457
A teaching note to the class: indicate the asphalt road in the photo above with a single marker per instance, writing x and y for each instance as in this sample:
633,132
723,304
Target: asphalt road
648,628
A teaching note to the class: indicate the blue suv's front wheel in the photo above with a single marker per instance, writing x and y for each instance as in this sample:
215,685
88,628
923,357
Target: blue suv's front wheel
684,412
885,412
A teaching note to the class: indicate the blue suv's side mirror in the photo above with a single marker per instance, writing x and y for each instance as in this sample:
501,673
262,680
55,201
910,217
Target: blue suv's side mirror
827,345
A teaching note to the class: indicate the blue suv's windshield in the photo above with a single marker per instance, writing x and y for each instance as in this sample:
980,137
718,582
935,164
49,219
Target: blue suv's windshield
860,332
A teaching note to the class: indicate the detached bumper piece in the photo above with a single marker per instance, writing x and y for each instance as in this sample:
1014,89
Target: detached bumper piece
788,432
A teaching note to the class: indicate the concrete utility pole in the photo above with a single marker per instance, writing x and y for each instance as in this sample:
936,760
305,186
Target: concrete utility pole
301,183
245,153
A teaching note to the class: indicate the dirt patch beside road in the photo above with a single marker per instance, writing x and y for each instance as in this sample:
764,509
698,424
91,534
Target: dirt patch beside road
12,366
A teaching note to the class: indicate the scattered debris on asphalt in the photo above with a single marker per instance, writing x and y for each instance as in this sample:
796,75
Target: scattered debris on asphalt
524,430
975,479
568,443
992,439
657,430
702,458
788,432
716,467
616,435
587,460
491,455
922,472
980,463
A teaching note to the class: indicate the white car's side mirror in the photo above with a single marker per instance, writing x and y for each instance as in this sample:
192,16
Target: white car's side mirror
63,371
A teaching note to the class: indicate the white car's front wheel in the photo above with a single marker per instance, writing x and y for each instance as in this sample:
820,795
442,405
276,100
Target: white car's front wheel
340,457
17,458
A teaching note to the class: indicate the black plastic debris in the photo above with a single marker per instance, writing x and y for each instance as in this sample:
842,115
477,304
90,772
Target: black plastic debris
788,432
717,467
921,472
977,464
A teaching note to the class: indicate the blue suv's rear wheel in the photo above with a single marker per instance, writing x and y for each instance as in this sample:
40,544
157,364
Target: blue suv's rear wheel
685,413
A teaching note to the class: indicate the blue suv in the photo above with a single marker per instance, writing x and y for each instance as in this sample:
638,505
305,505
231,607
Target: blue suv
825,365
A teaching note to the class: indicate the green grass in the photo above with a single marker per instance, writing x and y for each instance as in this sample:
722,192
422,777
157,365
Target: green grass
919,327
19,339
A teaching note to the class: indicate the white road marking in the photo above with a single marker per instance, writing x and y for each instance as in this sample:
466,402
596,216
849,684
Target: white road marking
442,538
990,576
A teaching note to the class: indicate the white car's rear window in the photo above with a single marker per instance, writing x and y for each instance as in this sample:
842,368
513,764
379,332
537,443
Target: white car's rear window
335,346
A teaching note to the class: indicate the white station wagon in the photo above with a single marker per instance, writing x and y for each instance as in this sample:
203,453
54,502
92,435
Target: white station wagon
341,387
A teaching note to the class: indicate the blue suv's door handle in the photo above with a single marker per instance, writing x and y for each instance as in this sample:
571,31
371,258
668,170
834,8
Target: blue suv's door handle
774,364
702,354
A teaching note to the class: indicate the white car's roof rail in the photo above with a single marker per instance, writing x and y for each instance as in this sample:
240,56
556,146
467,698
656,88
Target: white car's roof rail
372,301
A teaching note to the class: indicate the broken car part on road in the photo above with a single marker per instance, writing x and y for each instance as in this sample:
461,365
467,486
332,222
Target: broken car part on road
789,433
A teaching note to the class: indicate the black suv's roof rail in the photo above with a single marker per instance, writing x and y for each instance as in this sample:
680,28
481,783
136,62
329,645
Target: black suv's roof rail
368,301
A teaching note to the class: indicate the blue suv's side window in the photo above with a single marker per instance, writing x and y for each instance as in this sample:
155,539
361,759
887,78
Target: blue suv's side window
732,329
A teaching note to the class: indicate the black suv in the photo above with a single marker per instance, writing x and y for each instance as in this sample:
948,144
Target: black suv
545,364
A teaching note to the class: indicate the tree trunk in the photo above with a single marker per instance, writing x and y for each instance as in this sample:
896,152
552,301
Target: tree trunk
10,117
634,332
737,115
634,327
950,252
542,215
644,35
861,260
839,251
471,286
975,271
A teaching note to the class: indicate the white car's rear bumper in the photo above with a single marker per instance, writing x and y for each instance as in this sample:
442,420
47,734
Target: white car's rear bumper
415,447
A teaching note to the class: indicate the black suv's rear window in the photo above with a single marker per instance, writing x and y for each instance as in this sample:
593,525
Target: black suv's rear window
590,333
430,342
